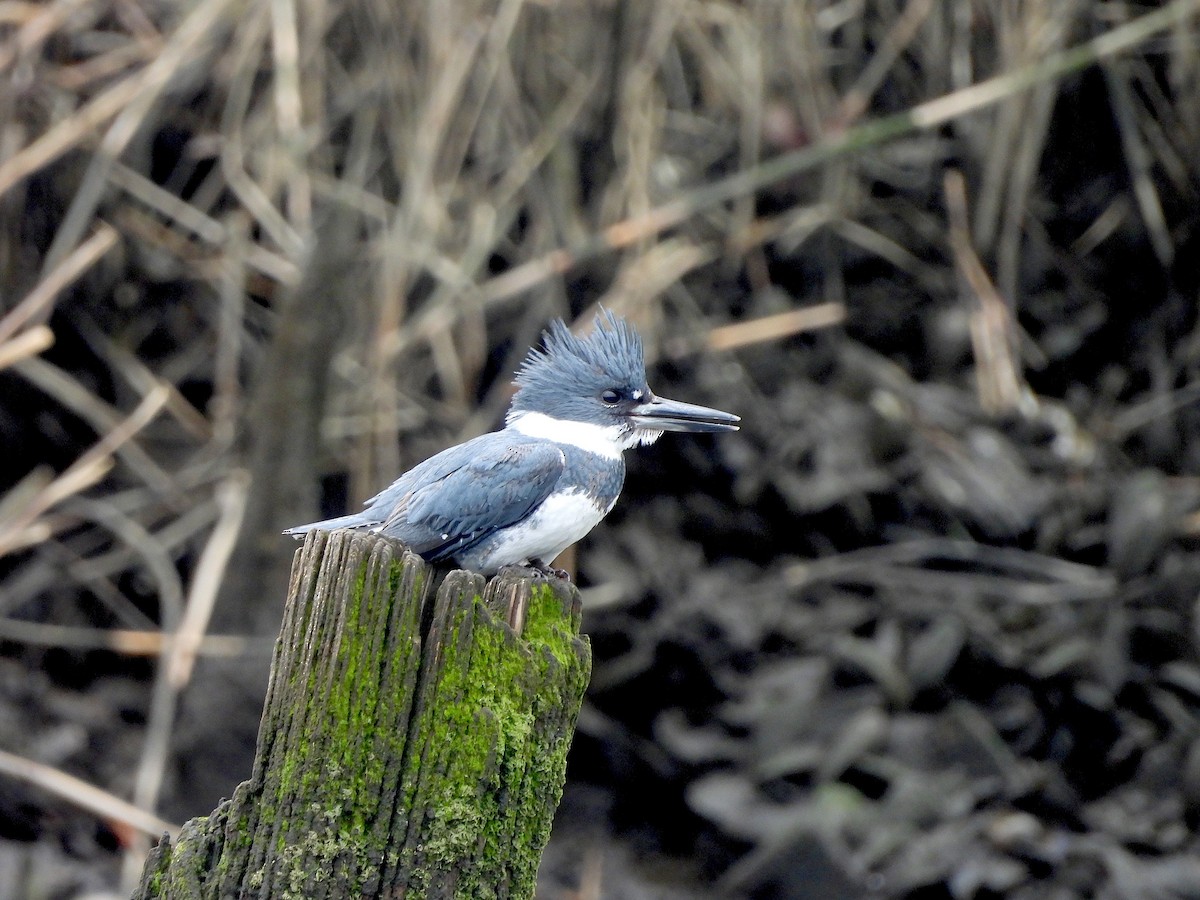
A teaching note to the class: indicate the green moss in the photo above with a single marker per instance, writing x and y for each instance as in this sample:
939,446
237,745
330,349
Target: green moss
505,773
338,766
479,772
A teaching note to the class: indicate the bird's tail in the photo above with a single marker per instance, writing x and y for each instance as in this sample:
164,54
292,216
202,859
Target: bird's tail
356,520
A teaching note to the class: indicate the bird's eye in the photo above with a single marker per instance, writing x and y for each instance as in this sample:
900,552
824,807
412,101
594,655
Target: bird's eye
611,396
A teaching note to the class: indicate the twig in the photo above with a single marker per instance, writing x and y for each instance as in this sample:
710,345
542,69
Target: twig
776,327
68,391
154,556
289,109
176,665
231,499
36,302
997,375
415,220
70,132
647,275
1047,31
84,472
855,101
921,117
1160,405
198,32
1025,577
1138,161
93,571
84,795
251,35
36,30
23,530
81,75
143,379
167,204
28,343
125,641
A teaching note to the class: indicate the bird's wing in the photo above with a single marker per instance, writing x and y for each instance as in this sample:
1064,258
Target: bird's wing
490,485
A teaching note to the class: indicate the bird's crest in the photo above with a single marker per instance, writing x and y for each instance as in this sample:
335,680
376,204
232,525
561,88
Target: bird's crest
611,355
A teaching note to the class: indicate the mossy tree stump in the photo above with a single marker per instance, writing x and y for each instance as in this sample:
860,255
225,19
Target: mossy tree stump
411,745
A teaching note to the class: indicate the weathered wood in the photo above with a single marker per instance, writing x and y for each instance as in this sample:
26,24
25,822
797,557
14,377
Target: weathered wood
409,746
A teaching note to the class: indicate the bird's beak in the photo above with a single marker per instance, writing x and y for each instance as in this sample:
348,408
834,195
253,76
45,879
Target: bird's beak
661,414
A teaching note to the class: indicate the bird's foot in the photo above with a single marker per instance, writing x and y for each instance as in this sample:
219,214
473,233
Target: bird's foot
541,570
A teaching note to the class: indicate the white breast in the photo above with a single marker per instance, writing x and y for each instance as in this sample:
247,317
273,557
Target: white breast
556,524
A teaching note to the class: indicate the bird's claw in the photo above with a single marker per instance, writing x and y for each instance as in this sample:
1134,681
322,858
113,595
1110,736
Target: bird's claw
540,570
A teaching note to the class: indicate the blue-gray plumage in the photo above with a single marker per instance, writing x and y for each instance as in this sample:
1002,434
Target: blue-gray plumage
524,494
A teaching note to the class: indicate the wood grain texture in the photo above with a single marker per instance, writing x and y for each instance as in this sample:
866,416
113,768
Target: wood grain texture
413,741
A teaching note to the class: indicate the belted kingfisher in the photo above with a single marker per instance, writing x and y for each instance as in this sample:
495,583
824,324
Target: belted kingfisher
522,495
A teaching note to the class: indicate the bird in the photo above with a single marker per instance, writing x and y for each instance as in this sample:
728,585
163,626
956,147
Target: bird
521,495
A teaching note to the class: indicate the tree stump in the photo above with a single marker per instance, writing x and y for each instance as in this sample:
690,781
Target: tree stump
412,743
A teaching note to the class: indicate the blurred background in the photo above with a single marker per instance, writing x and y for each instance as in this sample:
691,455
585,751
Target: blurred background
925,628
